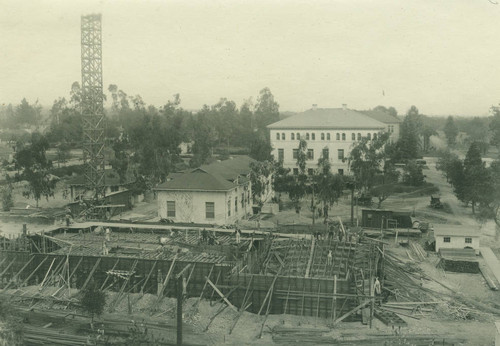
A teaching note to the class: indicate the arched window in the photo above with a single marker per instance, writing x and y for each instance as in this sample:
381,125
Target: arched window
338,136
283,136
343,136
292,136
374,136
313,136
353,136
369,136
278,136
322,136
328,136
359,136
298,136
307,136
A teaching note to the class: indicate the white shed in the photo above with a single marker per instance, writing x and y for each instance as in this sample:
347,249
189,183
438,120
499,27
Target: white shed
455,237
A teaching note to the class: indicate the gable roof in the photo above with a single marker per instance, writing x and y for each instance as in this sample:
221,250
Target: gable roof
231,168
336,118
444,230
197,180
382,117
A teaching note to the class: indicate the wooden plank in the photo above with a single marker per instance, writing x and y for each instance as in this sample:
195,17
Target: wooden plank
107,275
7,268
349,313
91,274
147,278
220,294
308,268
167,278
48,271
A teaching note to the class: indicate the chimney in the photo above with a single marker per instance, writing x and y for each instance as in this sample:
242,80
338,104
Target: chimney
344,106
314,106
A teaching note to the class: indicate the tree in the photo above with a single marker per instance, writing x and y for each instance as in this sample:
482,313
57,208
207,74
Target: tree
391,110
412,174
367,158
93,301
62,152
477,181
7,200
385,183
259,176
328,186
35,167
495,127
266,109
409,142
450,131
297,187
445,163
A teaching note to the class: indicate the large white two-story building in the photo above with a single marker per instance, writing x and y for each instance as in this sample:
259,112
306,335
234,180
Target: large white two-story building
329,132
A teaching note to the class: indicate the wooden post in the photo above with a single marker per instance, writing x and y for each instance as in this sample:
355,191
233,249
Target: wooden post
179,309
335,297
43,241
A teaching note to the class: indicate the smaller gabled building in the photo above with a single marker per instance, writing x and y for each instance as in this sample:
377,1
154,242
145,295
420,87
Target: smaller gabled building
392,123
219,193
456,237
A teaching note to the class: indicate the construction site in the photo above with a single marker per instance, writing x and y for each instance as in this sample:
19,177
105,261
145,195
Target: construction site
376,280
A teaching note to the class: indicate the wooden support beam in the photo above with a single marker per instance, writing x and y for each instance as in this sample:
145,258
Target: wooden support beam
349,313
8,267
165,282
204,286
91,273
32,273
269,293
107,275
222,308
311,254
221,295
48,271
125,282
147,278
267,311
182,271
74,269
243,308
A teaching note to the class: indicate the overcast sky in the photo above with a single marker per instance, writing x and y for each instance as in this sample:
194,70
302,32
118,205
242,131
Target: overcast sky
442,56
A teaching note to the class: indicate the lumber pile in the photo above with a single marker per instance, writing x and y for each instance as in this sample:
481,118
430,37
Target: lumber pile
405,284
417,249
322,336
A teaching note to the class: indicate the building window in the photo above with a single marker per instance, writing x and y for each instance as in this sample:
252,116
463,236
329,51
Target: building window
295,171
338,136
210,210
327,136
295,153
340,154
229,207
292,136
235,204
343,136
281,155
326,153
374,136
115,188
468,240
307,136
278,136
322,136
298,136
310,154
283,136
446,239
359,136
243,200
170,208
341,171
369,136
313,136
310,171
353,136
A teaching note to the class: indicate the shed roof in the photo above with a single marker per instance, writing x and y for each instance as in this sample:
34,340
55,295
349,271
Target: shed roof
449,230
332,118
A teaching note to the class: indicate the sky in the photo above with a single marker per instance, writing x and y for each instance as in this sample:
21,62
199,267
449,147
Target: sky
441,56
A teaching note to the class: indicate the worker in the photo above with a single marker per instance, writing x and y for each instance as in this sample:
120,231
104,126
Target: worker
108,234
329,258
237,232
377,290
204,235
104,248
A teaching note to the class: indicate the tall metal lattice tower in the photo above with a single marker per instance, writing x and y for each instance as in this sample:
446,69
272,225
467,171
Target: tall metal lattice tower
92,107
